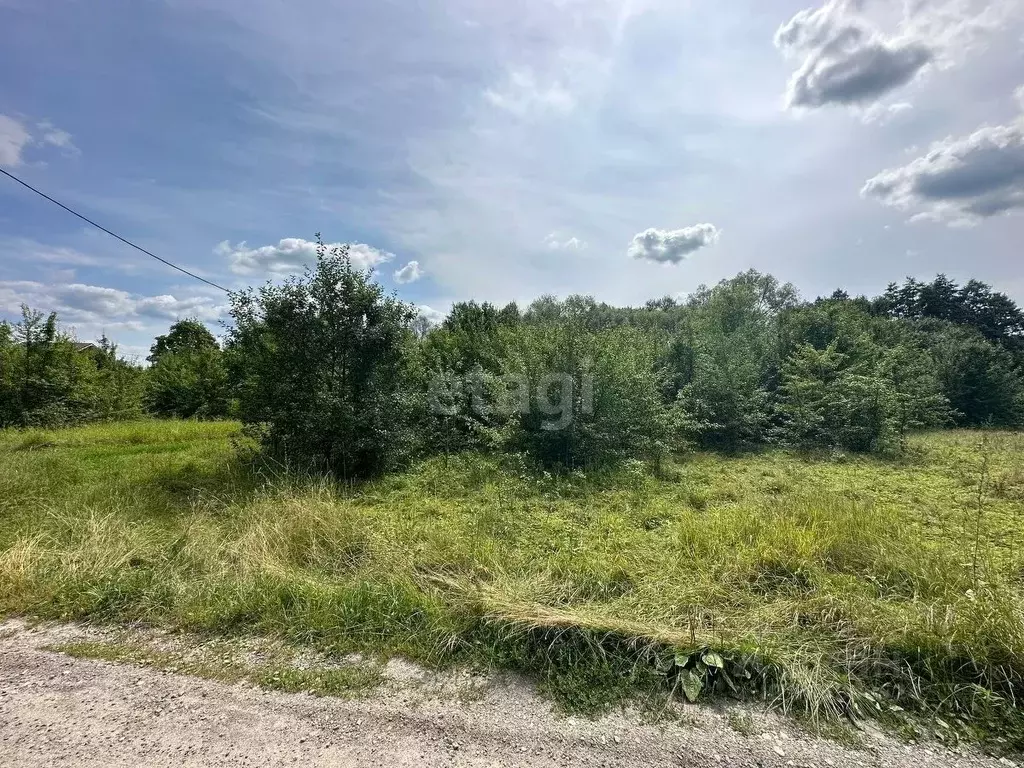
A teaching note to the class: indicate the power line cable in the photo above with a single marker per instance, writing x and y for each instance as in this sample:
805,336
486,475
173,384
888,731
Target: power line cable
112,234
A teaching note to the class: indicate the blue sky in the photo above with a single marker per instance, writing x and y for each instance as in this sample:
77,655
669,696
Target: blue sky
623,148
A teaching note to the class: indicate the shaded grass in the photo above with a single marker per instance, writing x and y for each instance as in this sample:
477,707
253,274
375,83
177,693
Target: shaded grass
847,587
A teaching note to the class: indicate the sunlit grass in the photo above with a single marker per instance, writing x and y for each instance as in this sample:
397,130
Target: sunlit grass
834,584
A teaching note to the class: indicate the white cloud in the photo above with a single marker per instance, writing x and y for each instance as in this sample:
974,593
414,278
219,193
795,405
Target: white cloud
1019,95
880,114
431,315
291,254
94,307
522,94
55,137
556,242
410,273
960,180
14,137
846,59
672,246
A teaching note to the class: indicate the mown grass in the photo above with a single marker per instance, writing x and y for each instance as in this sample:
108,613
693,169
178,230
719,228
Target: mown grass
839,587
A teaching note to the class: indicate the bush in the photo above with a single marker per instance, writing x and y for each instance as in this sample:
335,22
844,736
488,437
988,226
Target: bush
594,398
46,379
732,363
322,368
829,399
188,378
188,384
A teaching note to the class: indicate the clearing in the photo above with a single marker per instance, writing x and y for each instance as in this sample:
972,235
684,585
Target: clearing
847,588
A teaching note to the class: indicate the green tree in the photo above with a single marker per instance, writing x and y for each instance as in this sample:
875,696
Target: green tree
322,365
188,335
728,359
188,378
188,384
977,377
809,387
9,389
592,398
866,400
48,379
994,315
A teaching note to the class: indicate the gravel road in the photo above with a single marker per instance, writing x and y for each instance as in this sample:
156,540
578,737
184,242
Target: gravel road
56,710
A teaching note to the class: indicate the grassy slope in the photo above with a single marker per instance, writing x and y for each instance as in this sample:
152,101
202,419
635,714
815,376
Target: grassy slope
820,579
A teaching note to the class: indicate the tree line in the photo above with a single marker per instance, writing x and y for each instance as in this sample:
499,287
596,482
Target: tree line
330,371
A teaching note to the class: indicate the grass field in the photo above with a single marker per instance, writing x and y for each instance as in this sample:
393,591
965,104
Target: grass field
847,586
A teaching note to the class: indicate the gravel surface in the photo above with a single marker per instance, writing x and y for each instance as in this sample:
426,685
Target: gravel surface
56,710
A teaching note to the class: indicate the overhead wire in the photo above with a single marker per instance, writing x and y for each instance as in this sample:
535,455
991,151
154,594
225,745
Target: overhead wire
87,220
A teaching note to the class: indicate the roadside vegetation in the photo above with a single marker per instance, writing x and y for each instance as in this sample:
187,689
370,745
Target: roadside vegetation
847,587
742,493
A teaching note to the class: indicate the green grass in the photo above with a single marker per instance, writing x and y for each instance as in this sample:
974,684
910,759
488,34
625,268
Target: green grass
829,587
278,673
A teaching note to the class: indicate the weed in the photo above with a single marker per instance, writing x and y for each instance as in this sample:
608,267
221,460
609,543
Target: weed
837,590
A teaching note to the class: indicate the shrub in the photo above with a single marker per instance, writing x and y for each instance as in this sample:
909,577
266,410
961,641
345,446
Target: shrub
594,398
322,369
46,379
188,384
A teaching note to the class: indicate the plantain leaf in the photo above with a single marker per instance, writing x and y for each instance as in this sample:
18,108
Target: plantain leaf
693,684
712,659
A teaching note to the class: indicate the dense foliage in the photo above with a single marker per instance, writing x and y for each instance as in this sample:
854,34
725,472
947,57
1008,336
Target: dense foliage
321,368
48,379
333,373
188,378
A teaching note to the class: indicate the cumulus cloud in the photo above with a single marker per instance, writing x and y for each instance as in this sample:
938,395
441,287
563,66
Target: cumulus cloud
845,59
96,307
431,315
556,242
672,246
410,273
291,254
960,180
14,137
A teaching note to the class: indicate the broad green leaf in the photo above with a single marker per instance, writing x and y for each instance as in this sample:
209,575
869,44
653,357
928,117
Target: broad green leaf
712,659
693,684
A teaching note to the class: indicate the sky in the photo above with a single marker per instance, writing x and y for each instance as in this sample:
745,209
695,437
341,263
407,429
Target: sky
498,151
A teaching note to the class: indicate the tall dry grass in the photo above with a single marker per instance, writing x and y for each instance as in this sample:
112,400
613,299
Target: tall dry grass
830,587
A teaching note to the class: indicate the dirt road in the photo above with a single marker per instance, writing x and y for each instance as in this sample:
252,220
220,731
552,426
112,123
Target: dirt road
56,710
